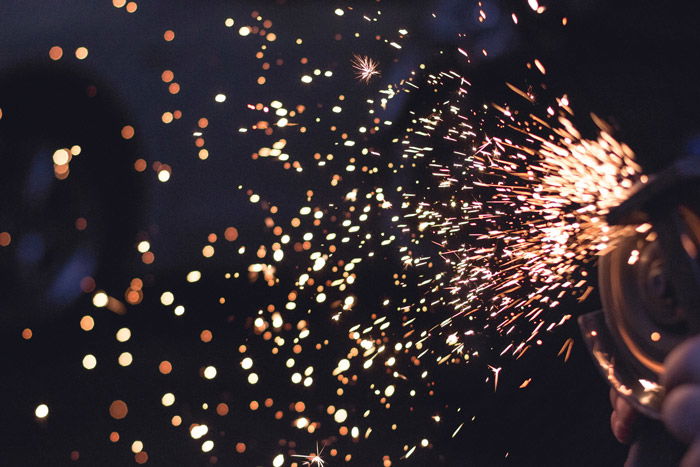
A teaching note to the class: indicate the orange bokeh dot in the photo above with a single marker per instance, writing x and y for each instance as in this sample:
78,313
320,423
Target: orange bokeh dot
222,409
240,448
254,405
114,436
174,88
131,7
81,223
169,35
148,257
203,122
206,336
231,234
165,367
141,457
134,297
87,323
140,165
118,409
128,132
167,76
118,3
55,53
27,334
5,238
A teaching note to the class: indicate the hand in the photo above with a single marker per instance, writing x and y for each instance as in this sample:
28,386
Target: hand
681,407
622,419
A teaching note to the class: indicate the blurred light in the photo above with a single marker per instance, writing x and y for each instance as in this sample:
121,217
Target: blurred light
136,446
167,298
340,415
128,132
125,359
118,409
194,276
123,335
5,238
87,323
207,446
168,399
81,53
208,251
89,362
197,431
165,367
163,175
210,372
41,411
61,157
55,53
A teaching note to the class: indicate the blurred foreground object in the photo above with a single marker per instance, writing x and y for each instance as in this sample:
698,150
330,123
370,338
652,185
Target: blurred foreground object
650,291
70,200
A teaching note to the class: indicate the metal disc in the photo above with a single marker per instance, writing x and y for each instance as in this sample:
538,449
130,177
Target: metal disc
641,311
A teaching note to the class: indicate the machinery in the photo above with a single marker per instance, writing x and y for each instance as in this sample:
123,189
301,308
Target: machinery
650,291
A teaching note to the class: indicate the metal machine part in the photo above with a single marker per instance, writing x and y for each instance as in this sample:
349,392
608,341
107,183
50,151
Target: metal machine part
649,285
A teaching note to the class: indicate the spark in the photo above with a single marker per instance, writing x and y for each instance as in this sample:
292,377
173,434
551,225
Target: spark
566,349
502,238
365,68
313,458
521,215
496,372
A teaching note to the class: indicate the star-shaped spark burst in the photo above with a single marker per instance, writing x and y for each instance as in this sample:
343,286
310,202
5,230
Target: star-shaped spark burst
313,459
365,68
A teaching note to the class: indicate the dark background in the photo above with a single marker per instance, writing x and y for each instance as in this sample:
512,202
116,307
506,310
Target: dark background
632,63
